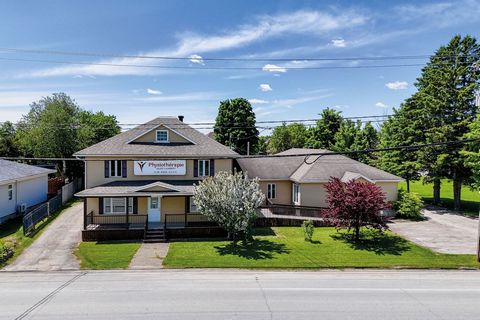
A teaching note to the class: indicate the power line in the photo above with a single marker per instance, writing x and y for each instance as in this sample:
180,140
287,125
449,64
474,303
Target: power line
270,68
213,124
408,148
155,57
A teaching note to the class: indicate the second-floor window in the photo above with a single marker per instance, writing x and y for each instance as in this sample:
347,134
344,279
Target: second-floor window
271,191
203,168
115,168
162,136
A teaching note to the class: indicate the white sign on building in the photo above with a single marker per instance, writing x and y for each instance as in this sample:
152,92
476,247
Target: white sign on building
160,168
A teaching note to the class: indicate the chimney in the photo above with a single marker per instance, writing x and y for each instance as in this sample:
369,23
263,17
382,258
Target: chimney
181,118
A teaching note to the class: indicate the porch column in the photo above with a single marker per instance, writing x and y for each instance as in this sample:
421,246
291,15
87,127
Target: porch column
126,209
84,213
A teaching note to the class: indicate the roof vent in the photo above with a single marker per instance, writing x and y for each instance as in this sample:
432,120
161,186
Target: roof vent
181,118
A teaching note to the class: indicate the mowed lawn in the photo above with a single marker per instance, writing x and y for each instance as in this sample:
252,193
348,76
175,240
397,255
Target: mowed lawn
470,198
106,255
285,247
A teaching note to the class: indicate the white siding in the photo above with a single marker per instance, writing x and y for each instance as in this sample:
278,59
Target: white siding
31,192
7,207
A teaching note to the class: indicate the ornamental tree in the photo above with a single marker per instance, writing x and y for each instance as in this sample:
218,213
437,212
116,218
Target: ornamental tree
230,200
355,204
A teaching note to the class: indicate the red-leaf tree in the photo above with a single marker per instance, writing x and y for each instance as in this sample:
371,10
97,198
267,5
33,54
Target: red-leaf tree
355,204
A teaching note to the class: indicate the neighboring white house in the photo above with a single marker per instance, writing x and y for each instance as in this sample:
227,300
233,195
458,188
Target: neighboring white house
21,185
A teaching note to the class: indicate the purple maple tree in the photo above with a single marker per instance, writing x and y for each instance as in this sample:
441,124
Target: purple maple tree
355,204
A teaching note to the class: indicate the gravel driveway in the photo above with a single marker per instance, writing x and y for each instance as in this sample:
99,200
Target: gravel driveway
53,249
443,231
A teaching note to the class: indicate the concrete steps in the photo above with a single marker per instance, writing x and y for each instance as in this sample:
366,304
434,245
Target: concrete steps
155,236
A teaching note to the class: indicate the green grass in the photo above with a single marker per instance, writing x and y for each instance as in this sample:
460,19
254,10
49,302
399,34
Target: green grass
470,198
11,233
284,247
106,255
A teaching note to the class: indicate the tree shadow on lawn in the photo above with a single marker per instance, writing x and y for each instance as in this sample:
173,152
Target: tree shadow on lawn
374,241
253,250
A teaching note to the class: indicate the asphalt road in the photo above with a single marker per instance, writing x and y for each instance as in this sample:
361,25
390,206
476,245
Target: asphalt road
219,294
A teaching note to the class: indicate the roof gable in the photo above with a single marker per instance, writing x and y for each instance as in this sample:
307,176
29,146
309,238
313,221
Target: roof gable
157,187
129,143
150,136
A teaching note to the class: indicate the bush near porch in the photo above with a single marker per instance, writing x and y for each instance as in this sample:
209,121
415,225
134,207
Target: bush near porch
285,247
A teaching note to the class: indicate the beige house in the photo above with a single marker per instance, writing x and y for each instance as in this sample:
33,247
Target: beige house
139,184
144,178
294,178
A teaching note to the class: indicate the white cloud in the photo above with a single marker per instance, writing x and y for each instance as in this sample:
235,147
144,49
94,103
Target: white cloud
154,92
397,85
381,105
265,87
195,58
339,43
257,101
273,68
192,44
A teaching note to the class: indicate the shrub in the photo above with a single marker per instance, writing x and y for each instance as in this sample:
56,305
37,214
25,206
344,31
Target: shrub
6,252
409,205
308,230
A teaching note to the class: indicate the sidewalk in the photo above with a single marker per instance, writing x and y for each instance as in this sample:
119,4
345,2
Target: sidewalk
150,256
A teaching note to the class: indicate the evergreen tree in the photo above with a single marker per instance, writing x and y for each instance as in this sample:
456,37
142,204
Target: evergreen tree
446,95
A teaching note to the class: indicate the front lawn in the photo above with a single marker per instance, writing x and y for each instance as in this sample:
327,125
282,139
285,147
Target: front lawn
106,255
11,233
284,247
470,198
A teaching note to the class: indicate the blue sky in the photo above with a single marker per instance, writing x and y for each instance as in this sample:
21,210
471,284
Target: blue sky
289,30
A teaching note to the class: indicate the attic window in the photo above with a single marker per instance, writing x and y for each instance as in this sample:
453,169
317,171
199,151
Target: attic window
162,136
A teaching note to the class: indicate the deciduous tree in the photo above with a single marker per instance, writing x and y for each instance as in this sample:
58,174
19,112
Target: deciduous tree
323,134
354,205
230,200
235,125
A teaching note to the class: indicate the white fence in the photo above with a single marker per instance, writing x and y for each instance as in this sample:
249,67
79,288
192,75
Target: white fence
70,189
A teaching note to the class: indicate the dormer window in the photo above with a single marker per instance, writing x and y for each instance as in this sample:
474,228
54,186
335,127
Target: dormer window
162,136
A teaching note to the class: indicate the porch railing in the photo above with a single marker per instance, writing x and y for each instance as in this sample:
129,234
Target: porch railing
291,210
187,220
139,220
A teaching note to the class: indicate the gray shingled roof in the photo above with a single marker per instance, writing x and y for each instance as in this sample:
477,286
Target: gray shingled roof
296,169
131,187
118,145
10,170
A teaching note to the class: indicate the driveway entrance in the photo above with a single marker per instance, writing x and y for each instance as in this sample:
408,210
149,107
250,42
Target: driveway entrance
443,231
53,250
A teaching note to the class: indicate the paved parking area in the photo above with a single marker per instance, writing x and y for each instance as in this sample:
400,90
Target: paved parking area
53,250
443,231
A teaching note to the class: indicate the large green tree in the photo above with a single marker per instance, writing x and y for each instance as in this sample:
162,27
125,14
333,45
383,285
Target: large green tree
366,139
322,135
346,136
446,95
285,137
235,126
56,127
8,147
403,128
472,152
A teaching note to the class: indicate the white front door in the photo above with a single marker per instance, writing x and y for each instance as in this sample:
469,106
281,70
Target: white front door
154,209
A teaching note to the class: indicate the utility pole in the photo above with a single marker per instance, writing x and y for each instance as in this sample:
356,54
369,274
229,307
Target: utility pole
248,148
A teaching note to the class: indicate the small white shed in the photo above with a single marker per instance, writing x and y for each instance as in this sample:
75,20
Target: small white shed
21,186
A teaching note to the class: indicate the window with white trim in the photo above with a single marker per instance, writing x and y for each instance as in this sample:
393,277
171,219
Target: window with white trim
114,205
193,206
115,168
203,168
271,191
162,136
10,191
296,193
